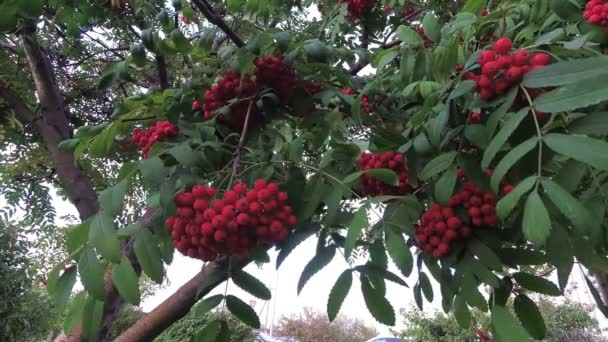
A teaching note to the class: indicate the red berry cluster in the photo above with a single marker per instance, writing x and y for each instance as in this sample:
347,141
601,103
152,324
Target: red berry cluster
231,86
596,13
272,72
481,205
312,88
358,8
233,225
372,186
427,42
145,139
501,69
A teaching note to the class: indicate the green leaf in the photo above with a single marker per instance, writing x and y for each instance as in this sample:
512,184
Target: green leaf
242,311
385,58
385,175
510,159
566,72
536,223
501,138
184,154
530,317
425,285
357,225
209,332
311,197
77,237
398,251
572,208
560,253
111,199
91,318
63,288
409,36
536,284
91,273
595,123
148,253
102,235
437,165
508,203
338,293
376,303
581,148
484,274
377,254
474,6
372,270
418,297
470,290
462,312
431,27
486,255
596,295
152,170
126,281
444,188
318,262
463,88
208,304
74,312
506,327
573,96
436,126
251,284
69,145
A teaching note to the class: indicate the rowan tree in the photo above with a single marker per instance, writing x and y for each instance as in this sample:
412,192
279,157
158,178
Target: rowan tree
474,148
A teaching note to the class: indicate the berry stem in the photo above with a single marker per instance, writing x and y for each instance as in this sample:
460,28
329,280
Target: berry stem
237,153
538,133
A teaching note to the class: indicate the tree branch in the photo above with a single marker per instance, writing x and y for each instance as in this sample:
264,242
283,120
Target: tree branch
208,12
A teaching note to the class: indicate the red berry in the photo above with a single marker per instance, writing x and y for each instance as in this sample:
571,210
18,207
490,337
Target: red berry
490,69
521,57
474,212
240,189
220,235
514,74
540,59
486,56
242,219
454,222
503,46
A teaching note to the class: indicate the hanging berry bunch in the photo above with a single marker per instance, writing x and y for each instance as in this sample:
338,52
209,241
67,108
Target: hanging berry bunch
230,87
272,72
596,13
145,139
501,69
357,9
234,225
372,186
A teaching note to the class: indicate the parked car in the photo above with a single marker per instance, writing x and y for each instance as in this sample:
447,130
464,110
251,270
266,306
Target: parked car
388,339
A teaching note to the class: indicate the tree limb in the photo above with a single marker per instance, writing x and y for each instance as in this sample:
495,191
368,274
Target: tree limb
208,12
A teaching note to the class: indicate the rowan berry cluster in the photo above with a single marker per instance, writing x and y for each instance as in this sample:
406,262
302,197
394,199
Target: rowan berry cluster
234,225
231,86
372,186
596,13
145,139
357,9
501,69
272,72
427,42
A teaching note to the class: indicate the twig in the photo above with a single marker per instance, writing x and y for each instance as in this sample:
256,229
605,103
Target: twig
237,151
216,20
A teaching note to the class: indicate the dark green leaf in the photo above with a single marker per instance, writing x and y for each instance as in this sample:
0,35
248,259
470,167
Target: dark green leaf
408,35
102,235
148,253
510,159
372,270
485,255
595,123
91,273
74,312
418,297
126,281
536,284
242,311
425,285
378,306
444,187
581,148
208,304
437,165
318,262
474,6
560,253
357,225
509,202
573,96
501,138
566,72
596,295
398,251
294,240
209,332
69,145
63,288
377,254
462,312
91,318
431,27
530,317
506,326
572,208
251,284
111,199
338,293
536,223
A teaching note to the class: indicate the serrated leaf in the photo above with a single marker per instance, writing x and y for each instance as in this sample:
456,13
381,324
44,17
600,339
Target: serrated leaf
294,240
486,255
484,274
510,159
318,262
372,270
437,165
91,318
63,288
376,303
425,285
536,284
242,311
377,254
91,273
566,72
398,251
148,254
355,228
536,223
595,123
408,35
74,312
431,27
338,293
385,175
209,332
444,187
573,96
418,297
102,235
560,253
503,135
208,304
111,199
581,148
569,206
251,284
506,327
126,281
596,295
462,312
508,203
530,317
